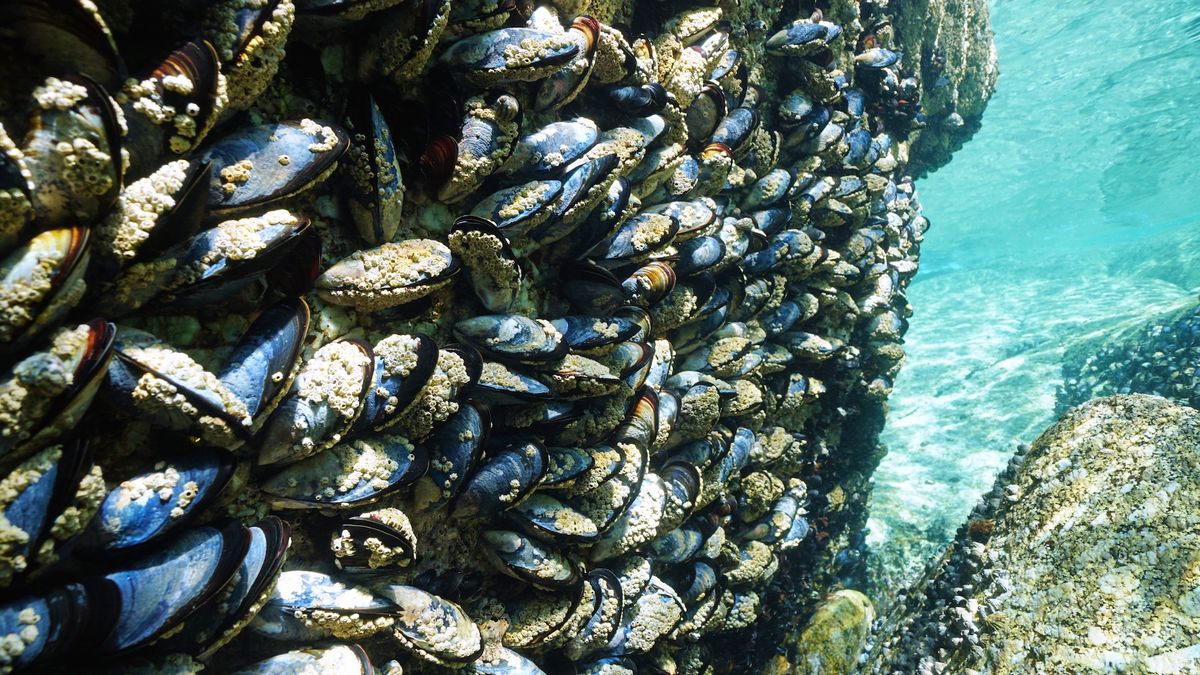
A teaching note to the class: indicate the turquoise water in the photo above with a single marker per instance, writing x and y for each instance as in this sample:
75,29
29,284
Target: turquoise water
1076,208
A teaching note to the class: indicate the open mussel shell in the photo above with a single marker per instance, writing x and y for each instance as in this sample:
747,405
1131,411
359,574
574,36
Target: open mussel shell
40,282
159,590
434,628
146,506
374,185
263,364
308,605
529,560
544,516
394,273
73,152
512,337
255,167
325,400
224,615
455,449
494,269
341,659
374,542
47,392
504,479
36,495
352,473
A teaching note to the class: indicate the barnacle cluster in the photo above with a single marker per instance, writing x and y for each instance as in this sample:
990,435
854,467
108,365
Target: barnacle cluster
497,337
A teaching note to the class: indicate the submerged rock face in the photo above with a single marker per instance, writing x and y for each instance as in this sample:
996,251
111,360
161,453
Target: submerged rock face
958,70
1159,357
1085,556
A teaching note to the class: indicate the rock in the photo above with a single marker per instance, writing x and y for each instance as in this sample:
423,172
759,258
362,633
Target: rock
1159,357
1084,556
954,95
834,636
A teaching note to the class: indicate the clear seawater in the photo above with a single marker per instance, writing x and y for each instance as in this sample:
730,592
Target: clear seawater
1075,209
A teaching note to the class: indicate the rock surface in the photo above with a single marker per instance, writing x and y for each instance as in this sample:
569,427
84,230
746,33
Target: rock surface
955,33
1159,357
1084,557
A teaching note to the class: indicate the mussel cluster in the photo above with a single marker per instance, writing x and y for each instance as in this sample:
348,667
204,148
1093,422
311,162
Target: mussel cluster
434,333
1161,357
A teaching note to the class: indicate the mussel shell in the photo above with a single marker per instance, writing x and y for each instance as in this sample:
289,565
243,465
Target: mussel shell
584,333
510,54
698,255
512,337
69,618
225,614
318,410
636,239
146,506
350,474
542,618
46,419
455,449
507,385
40,282
876,58
433,627
70,189
404,365
300,592
606,615
638,100
517,210
566,464
341,659
528,560
162,588
390,529
35,495
375,187
261,368
678,545
736,129
705,114
637,525
546,151
544,516
391,274
504,479
592,289
694,216
655,613
495,271
257,166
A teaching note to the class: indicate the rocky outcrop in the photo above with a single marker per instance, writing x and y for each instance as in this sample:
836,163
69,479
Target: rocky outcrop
1084,557
1159,357
950,45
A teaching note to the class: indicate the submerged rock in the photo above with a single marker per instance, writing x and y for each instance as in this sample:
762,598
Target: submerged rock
1085,556
1159,357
